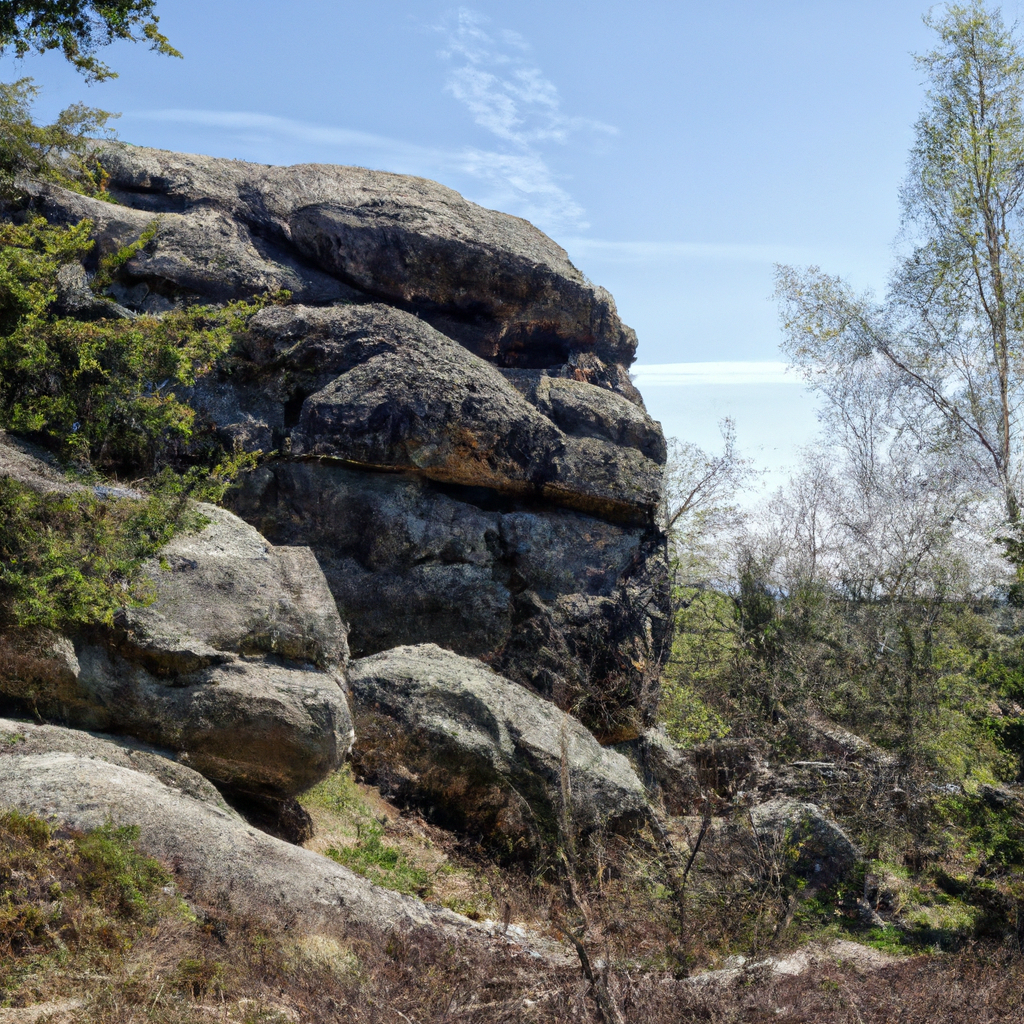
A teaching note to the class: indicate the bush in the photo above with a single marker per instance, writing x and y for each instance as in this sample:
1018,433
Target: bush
74,559
57,152
101,392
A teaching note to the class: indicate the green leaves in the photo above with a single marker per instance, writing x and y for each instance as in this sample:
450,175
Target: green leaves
75,559
103,392
78,27
57,152
941,359
31,254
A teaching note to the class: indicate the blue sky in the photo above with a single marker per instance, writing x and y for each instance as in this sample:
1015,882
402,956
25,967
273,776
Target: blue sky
676,149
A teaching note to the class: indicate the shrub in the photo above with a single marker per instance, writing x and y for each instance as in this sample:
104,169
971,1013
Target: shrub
57,152
103,392
74,559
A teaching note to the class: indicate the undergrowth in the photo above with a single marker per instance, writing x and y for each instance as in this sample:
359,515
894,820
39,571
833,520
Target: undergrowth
360,842
87,920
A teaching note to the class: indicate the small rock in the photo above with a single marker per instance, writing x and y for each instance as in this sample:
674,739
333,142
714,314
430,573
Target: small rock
803,839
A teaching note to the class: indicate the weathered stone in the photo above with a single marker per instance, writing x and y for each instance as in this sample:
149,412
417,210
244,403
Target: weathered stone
206,255
257,727
379,388
225,590
668,773
803,839
30,465
30,738
75,297
237,664
567,604
433,338
219,859
492,281
483,755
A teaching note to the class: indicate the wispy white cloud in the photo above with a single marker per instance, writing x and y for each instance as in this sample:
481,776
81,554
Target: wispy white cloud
719,252
688,374
267,128
493,75
522,183
517,182
508,95
504,91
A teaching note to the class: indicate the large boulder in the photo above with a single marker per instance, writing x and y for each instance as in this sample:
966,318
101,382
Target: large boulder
219,859
568,604
492,281
30,738
667,771
237,664
481,754
445,366
378,388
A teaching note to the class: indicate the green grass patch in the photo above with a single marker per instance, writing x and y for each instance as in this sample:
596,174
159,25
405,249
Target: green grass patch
71,901
382,863
366,850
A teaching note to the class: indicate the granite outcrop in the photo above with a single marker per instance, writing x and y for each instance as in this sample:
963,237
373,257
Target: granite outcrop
447,400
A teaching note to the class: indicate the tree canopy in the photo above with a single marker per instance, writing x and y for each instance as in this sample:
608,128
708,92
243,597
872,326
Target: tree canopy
78,28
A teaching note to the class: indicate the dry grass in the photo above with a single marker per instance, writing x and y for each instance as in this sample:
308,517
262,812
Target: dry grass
94,952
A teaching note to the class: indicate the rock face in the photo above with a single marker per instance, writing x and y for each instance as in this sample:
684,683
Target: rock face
27,738
237,665
482,754
457,437
668,775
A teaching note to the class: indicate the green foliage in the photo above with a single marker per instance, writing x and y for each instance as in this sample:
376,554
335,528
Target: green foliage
939,358
199,975
70,896
339,794
988,836
368,854
57,152
35,831
78,27
110,265
922,679
31,254
105,394
704,643
116,874
381,862
103,391
73,559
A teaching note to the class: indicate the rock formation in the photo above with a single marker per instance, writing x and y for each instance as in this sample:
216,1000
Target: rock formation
237,665
804,839
483,755
448,398
229,864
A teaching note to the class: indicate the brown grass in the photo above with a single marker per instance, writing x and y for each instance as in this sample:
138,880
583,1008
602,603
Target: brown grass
78,943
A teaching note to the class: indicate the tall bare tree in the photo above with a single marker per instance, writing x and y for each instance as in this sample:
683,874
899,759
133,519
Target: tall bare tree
944,348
